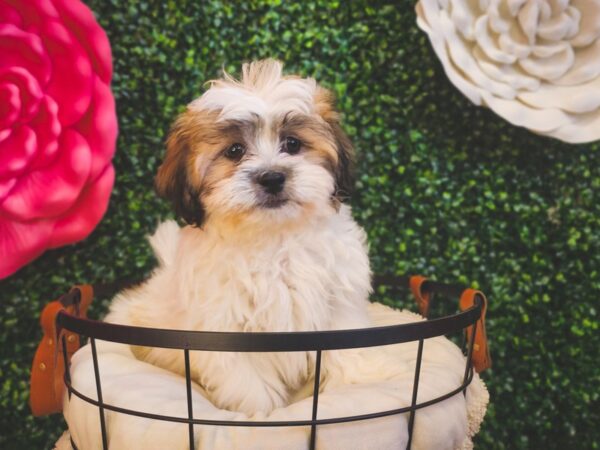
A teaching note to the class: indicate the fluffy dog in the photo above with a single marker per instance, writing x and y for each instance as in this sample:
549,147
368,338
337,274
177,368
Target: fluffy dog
259,169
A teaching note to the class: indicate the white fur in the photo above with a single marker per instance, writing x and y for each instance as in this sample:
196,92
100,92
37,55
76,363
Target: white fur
312,278
164,242
309,185
262,91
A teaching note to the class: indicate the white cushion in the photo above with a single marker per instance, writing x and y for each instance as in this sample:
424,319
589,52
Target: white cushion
130,383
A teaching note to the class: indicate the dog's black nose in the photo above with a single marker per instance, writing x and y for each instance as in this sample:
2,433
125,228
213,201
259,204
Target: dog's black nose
272,181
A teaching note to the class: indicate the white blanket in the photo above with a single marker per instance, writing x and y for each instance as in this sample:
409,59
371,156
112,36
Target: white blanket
130,383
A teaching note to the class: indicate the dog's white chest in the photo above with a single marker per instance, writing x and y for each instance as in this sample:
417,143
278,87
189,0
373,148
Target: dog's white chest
275,285
282,282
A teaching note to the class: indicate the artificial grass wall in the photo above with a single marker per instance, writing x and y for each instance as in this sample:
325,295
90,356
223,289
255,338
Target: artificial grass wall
444,189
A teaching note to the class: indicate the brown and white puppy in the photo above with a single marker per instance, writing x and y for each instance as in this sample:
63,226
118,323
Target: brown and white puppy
259,169
249,148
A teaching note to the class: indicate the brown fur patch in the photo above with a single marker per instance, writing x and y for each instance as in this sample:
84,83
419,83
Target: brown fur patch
325,105
344,169
325,139
316,136
192,161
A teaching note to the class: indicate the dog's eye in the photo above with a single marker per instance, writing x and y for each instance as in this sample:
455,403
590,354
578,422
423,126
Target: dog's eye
291,145
235,152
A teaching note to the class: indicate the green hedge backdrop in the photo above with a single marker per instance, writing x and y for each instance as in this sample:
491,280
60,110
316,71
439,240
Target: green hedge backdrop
444,188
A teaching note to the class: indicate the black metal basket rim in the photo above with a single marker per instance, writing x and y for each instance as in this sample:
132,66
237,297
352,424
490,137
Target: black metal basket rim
270,341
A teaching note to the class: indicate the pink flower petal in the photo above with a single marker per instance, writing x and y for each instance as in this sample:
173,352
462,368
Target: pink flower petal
51,191
10,105
99,126
8,14
21,49
71,82
33,12
83,217
57,127
16,151
81,22
6,186
47,129
29,89
21,242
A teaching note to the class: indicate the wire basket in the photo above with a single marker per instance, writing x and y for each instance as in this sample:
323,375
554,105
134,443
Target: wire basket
318,342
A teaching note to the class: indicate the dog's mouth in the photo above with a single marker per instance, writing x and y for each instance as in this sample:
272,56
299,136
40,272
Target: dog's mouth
273,202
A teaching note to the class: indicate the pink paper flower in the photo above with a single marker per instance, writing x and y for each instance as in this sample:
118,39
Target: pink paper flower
58,127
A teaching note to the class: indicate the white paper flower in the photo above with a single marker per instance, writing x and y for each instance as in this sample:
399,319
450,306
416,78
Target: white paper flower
535,63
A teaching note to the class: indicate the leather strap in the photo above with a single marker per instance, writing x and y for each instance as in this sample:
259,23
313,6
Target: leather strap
47,386
421,297
481,358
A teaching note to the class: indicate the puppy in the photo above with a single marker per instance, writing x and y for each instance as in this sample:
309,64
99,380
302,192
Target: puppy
259,168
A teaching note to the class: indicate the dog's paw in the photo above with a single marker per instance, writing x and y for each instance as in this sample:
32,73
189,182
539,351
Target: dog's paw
243,389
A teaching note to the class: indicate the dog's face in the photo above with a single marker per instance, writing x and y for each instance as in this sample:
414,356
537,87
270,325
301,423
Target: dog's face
265,148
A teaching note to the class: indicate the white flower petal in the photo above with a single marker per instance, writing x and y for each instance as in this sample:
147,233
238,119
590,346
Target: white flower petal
572,99
540,120
545,11
505,73
488,44
425,14
528,20
548,50
558,6
575,22
462,57
497,20
514,6
549,68
585,67
536,63
579,129
589,26
559,27
515,43
463,18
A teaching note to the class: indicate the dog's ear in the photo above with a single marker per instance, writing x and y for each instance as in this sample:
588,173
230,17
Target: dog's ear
344,170
172,180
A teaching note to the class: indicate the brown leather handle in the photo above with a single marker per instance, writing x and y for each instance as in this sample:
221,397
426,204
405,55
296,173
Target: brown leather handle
481,358
47,386
481,355
422,298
